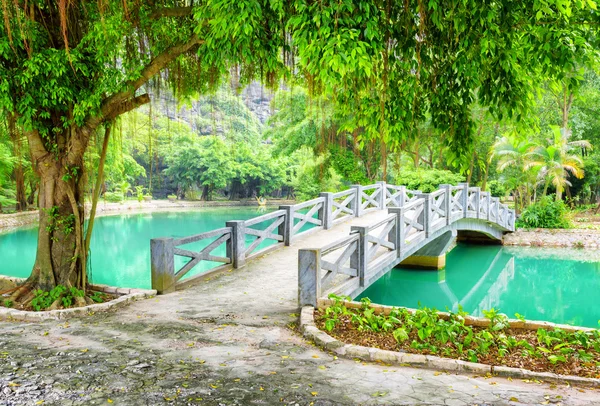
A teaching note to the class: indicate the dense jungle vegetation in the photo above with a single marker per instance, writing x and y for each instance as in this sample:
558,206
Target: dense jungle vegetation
221,150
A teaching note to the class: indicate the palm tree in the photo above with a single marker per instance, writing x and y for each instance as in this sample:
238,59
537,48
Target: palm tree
513,159
558,159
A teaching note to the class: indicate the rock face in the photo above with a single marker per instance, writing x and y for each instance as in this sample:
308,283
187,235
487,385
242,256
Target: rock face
216,114
258,100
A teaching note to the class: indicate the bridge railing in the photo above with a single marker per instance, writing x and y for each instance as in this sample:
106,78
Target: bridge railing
386,243
339,206
456,196
417,216
164,251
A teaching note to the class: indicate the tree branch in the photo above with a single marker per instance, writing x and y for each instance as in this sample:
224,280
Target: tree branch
128,105
111,106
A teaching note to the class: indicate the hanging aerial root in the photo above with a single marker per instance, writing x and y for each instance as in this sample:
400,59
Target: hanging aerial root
20,292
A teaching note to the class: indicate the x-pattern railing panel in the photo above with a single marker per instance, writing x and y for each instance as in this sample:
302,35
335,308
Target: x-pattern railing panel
381,238
456,205
494,209
369,201
472,200
438,208
394,196
412,225
484,204
266,234
205,254
342,264
411,195
308,217
342,202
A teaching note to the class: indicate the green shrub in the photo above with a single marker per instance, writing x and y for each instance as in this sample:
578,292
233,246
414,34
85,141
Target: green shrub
113,197
427,180
43,299
546,213
496,188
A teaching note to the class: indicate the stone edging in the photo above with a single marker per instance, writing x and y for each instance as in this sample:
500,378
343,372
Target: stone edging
125,296
554,238
325,341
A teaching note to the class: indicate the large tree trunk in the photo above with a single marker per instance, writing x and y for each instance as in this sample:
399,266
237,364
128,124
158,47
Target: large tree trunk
60,257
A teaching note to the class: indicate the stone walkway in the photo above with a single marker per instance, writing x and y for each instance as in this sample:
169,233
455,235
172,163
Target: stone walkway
229,340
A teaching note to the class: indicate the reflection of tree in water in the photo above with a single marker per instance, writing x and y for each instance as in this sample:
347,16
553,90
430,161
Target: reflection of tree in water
555,290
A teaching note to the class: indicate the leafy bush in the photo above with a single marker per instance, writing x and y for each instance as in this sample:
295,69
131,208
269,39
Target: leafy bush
546,213
497,188
113,197
425,331
43,299
427,180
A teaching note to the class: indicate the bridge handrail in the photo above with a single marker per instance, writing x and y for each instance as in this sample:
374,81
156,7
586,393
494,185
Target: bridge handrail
433,211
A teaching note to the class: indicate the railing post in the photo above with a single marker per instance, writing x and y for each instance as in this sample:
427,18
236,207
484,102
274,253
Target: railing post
465,198
382,190
363,251
487,197
425,215
357,206
309,276
236,246
402,196
399,239
447,202
327,210
162,264
286,229
477,201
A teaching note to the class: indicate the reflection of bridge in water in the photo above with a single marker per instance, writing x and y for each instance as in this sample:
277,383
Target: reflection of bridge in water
501,271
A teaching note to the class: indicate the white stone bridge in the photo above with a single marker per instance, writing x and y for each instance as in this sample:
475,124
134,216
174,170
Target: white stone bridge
417,230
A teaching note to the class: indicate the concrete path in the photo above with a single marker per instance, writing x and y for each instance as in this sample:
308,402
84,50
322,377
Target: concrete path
229,340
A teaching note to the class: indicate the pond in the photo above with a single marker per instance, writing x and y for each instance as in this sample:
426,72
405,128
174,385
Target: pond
557,285
120,247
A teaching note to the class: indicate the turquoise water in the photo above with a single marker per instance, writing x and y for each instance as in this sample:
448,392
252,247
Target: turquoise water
120,247
556,285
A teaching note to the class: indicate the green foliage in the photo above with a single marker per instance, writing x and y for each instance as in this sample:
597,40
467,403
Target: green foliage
7,303
427,180
425,331
113,197
42,300
139,193
496,188
311,175
97,297
345,163
546,213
